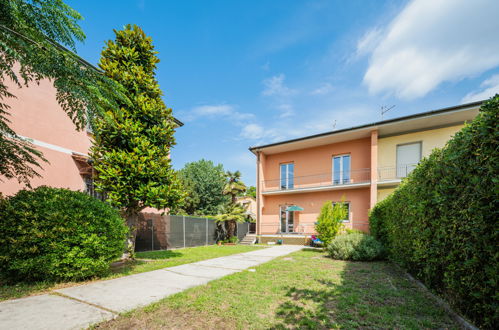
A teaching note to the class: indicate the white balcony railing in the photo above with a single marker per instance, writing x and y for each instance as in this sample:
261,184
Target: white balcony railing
394,173
319,180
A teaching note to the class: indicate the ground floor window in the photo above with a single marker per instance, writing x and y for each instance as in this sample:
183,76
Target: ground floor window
347,206
90,188
287,220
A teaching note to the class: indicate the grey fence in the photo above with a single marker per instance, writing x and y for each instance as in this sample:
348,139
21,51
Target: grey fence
162,232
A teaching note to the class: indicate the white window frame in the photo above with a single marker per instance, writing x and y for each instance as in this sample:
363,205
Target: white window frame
407,172
341,168
348,211
282,208
287,180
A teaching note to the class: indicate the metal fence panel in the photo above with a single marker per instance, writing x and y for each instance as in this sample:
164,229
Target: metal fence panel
212,232
242,230
176,232
161,232
195,231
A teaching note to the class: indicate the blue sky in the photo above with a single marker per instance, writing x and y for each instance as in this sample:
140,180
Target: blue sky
244,73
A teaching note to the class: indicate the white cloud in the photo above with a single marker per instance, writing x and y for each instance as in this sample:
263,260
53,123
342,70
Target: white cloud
252,131
369,41
274,86
490,87
431,42
218,111
323,89
286,110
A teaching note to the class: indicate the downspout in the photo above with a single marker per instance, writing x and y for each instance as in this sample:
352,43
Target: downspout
258,195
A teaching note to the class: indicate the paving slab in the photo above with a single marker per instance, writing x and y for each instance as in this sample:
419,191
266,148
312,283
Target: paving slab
201,271
49,312
130,292
84,305
229,263
274,252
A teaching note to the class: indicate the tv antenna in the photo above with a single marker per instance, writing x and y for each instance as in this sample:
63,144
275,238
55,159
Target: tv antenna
334,124
384,109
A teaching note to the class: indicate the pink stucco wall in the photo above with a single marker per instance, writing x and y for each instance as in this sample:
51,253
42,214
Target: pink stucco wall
316,165
36,114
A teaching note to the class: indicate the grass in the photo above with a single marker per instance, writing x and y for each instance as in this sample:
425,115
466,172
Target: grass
304,290
146,261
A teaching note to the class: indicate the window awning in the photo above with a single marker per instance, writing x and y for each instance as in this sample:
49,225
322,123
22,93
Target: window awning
294,208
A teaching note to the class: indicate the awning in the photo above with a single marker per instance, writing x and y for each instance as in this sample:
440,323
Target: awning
294,208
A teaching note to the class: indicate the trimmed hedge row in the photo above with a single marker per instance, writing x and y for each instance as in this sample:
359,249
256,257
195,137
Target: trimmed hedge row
58,234
441,224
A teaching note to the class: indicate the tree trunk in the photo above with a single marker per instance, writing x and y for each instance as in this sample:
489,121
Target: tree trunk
131,221
231,224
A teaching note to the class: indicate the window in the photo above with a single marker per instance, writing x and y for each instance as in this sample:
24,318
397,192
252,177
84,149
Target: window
341,169
287,176
347,206
287,220
408,157
90,189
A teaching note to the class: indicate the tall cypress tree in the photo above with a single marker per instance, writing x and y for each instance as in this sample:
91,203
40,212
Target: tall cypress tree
132,142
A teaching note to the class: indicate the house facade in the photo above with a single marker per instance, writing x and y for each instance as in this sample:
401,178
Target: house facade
36,116
357,166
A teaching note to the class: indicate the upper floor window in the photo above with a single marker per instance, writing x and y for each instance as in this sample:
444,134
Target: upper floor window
408,157
341,169
287,175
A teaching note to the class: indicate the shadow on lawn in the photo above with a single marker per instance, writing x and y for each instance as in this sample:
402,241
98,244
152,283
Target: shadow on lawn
359,295
164,254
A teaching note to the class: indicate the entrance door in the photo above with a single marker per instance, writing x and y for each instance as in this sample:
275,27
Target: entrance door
287,220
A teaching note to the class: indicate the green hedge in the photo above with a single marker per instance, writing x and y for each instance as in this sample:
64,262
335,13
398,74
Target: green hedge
441,223
58,234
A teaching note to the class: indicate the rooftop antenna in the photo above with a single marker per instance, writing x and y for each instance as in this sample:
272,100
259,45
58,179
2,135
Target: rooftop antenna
334,124
384,109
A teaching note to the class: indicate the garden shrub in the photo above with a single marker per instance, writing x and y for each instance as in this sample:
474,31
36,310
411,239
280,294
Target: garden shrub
355,246
441,223
58,234
329,222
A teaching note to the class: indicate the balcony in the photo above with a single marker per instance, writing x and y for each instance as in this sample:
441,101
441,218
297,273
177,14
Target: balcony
392,175
318,182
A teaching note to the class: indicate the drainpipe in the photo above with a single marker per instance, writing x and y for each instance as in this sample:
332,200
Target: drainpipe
258,195
374,168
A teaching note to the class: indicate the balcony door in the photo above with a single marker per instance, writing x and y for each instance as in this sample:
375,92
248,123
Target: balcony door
287,220
341,169
408,157
287,175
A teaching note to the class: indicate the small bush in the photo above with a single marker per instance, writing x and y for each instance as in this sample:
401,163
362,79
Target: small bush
355,246
329,222
58,234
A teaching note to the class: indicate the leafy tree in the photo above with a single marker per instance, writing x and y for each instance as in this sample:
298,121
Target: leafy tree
234,212
204,184
32,33
132,143
329,221
250,192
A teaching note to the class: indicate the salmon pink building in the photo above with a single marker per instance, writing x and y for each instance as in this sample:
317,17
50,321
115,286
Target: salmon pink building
357,166
36,116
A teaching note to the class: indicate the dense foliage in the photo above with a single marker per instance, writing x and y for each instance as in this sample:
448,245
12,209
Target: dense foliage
234,212
57,234
355,246
31,35
441,224
133,142
329,221
204,184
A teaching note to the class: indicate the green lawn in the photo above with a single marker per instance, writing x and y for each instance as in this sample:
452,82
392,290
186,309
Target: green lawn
146,261
304,290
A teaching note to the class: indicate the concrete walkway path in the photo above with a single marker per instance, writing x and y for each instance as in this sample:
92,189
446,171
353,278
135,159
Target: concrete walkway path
81,306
